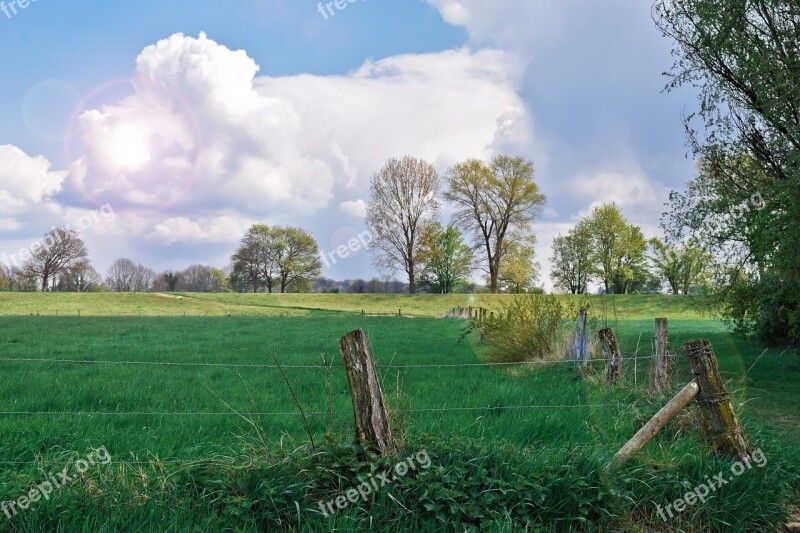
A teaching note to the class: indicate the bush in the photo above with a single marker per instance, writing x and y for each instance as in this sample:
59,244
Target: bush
530,327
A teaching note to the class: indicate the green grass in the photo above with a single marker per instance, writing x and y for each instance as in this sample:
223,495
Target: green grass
540,467
420,305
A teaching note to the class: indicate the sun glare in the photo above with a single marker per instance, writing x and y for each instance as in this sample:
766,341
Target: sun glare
128,148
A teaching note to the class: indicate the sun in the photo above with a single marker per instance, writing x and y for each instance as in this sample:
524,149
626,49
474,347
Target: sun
128,147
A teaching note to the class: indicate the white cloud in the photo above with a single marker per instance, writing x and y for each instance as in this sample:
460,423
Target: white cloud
210,230
201,129
356,208
25,181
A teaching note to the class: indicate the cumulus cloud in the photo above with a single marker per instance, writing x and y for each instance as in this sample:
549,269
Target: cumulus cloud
25,181
356,208
208,230
202,129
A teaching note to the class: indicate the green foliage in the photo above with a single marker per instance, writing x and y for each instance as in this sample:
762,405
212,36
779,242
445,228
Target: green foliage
745,202
277,258
572,261
446,259
495,202
529,327
619,250
684,267
519,271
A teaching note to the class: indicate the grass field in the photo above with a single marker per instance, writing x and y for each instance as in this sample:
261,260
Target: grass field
422,305
213,442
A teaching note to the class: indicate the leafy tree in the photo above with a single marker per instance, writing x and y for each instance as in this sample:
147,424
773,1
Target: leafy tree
682,267
630,272
446,258
296,257
519,271
492,202
619,249
402,204
745,202
573,260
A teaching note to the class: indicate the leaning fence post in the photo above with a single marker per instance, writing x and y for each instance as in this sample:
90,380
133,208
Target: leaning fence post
612,354
369,405
719,419
660,368
657,423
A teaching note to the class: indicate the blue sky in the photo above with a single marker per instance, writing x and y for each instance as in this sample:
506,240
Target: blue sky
264,110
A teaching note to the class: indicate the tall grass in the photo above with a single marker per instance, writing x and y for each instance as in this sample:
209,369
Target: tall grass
532,451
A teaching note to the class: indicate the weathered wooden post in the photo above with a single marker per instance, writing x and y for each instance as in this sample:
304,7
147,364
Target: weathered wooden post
369,405
579,351
660,369
719,419
612,354
657,423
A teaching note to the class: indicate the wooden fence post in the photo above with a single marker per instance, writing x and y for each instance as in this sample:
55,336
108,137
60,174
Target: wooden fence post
612,354
719,419
660,368
580,353
657,423
369,405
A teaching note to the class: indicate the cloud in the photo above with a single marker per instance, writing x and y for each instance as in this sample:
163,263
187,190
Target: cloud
213,230
25,182
356,208
202,129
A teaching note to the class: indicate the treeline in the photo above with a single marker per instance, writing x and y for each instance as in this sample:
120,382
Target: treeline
604,248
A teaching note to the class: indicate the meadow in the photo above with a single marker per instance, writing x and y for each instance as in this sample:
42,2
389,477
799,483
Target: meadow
186,394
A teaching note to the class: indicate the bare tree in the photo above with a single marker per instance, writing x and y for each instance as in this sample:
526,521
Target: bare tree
58,251
81,277
121,275
402,205
492,201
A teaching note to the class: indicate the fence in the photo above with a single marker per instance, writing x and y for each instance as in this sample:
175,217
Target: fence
370,408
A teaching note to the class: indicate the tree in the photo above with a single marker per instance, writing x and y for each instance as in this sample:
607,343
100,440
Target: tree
402,204
446,259
492,201
573,260
518,271
202,278
170,280
80,277
630,272
297,259
619,249
682,267
744,58
57,252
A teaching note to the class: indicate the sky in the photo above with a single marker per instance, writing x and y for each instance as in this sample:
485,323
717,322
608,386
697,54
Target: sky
163,130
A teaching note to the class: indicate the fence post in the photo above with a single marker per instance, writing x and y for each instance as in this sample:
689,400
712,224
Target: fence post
719,419
579,344
369,405
660,368
657,423
612,354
